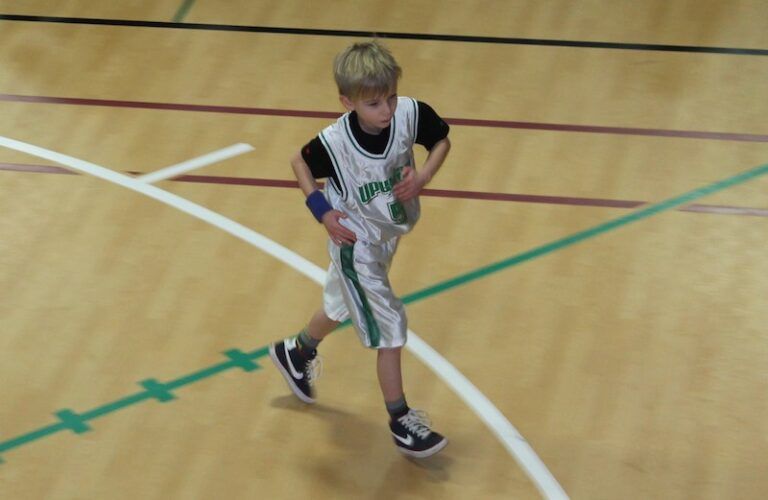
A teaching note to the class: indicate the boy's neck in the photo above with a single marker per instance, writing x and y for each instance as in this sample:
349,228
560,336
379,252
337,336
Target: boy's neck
364,128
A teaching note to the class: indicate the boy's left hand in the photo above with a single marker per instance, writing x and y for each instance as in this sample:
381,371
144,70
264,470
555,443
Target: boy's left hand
410,185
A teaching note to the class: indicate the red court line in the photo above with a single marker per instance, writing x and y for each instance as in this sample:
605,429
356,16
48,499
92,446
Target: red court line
167,106
556,127
441,193
38,169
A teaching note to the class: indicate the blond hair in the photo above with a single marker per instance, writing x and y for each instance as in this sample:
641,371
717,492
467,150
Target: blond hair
365,69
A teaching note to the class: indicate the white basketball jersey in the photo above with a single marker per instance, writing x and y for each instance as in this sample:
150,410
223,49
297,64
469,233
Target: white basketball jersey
366,180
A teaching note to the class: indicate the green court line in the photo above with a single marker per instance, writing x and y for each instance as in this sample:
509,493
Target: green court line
183,11
31,436
69,420
612,224
116,405
246,361
200,375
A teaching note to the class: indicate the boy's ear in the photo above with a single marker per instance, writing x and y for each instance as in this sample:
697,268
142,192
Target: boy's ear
346,102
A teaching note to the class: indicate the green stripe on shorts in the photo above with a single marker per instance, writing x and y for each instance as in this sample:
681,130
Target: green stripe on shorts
348,268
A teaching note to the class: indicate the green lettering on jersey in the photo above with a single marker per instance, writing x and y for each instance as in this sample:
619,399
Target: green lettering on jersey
371,190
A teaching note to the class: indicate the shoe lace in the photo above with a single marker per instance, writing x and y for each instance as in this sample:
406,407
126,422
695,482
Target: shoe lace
417,422
313,369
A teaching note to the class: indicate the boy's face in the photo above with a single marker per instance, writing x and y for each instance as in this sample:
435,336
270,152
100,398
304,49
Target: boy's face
374,112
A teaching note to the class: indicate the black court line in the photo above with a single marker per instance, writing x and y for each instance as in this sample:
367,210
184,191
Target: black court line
391,35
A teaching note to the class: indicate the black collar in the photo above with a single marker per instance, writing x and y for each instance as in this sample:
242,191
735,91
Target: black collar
374,144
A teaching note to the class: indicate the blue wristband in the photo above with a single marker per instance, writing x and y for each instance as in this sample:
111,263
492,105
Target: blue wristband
318,205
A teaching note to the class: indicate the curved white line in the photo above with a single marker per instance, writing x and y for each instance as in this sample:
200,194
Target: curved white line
512,440
488,413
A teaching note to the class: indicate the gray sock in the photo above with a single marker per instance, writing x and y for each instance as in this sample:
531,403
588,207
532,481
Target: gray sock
307,342
397,408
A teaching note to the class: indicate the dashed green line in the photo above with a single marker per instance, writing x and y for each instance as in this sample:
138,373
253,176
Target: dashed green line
78,422
116,405
200,375
31,436
75,422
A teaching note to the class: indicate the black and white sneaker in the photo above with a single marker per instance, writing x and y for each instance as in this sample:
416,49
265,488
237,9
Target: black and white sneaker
413,436
298,371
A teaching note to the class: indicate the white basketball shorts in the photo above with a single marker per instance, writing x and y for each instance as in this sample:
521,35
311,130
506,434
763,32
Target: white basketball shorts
357,287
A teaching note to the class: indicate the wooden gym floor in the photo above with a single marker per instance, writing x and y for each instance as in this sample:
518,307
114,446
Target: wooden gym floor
623,338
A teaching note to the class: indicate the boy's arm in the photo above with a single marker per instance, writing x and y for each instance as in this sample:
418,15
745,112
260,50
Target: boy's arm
330,218
301,170
413,182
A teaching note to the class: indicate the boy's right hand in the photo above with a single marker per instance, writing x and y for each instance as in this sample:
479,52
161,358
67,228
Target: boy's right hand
339,234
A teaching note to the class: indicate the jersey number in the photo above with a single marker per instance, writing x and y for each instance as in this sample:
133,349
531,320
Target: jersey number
397,212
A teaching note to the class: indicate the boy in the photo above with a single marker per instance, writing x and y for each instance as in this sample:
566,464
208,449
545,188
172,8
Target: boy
372,199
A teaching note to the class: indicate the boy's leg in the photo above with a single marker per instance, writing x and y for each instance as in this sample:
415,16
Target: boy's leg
296,357
390,376
410,428
320,325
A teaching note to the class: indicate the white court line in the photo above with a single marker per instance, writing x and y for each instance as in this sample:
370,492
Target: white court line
482,406
200,161
512,440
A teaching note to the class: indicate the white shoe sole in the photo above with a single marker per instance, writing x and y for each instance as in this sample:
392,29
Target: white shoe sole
424,453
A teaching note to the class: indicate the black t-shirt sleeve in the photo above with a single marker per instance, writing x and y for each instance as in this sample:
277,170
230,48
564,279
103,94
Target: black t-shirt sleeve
316,156
431,128
319,161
